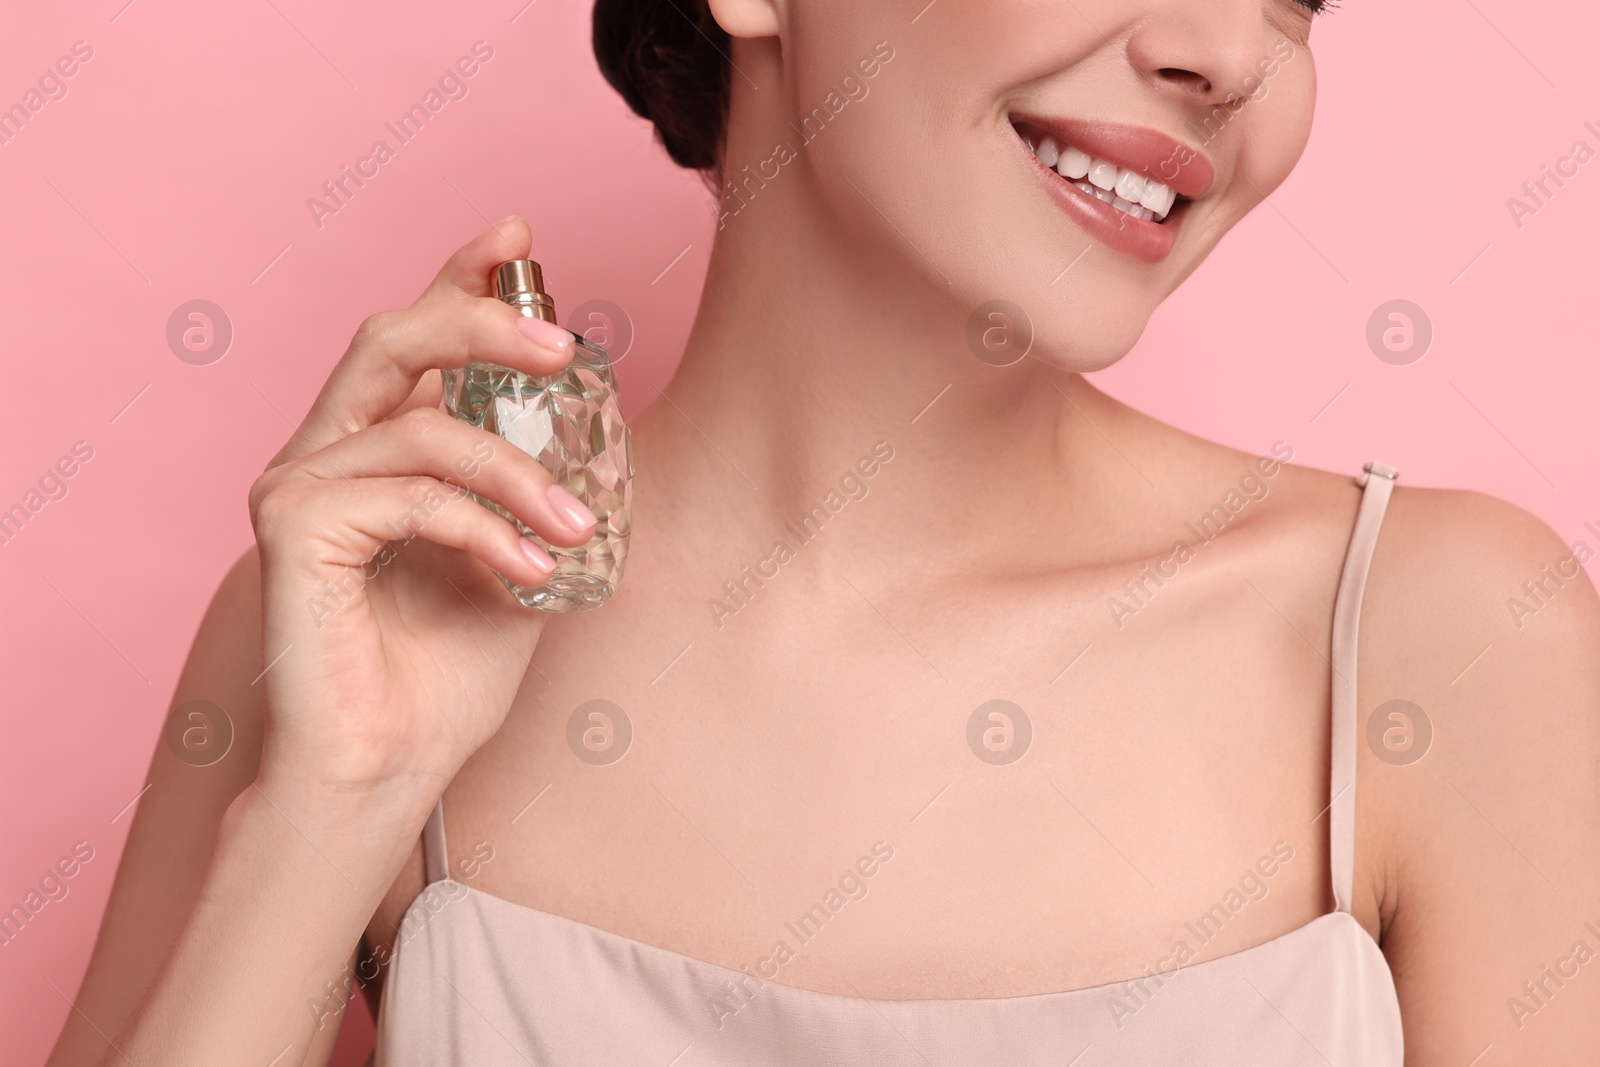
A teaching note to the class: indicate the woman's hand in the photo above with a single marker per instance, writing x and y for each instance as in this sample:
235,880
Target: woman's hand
393,652
380,664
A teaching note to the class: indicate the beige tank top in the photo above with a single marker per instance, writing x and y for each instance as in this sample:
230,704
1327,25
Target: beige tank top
477,980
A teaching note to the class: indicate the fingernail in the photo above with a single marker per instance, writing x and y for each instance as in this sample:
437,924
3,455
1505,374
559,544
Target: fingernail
545,334
539,556
508,218
578,517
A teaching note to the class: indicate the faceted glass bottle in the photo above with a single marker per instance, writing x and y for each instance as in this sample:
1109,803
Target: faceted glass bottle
571,422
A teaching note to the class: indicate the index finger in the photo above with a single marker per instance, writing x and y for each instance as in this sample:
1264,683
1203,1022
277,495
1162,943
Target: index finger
470,271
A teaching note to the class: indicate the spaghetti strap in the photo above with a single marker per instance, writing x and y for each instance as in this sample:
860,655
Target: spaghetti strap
435,856
1346,617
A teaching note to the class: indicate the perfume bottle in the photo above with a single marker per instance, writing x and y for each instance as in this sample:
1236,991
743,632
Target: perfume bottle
571,422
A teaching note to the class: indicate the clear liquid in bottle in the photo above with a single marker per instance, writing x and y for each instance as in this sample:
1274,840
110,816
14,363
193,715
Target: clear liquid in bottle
571,422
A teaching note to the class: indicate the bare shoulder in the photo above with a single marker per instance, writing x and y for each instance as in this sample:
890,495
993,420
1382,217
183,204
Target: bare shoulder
1478,697
1479,596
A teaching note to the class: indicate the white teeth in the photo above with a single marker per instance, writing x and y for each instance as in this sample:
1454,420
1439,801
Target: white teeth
1126,190
1102,175
1158,199
1074,163
1101,194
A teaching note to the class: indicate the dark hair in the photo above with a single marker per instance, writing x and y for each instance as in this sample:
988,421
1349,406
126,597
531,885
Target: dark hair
668,59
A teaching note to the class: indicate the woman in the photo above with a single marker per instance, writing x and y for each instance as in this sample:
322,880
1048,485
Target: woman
1039,741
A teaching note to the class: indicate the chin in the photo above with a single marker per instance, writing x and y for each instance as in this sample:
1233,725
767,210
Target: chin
1084,347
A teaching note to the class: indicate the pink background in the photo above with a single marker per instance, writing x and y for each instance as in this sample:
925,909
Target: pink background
179,164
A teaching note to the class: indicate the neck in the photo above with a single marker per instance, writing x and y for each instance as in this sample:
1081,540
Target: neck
807,350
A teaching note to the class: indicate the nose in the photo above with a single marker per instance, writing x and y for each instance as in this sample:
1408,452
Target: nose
1201,52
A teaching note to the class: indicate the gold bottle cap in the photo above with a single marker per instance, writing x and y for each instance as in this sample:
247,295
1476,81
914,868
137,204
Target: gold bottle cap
520,282
518,276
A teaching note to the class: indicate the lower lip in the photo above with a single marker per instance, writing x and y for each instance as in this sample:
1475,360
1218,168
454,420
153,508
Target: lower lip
1140,238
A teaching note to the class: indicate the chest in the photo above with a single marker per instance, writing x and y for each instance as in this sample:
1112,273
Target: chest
911,796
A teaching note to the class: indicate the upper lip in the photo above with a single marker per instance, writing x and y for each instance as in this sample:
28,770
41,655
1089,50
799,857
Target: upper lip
1158,157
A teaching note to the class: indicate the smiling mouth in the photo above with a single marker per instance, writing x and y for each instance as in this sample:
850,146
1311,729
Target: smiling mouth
1125,189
